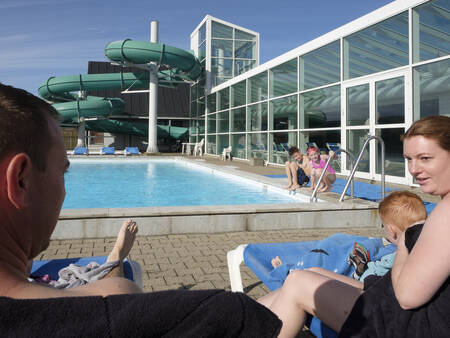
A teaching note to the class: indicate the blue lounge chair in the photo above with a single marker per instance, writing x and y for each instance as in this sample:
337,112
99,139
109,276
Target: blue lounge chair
108,151
285,146
80,151
131,151
132,270
330,253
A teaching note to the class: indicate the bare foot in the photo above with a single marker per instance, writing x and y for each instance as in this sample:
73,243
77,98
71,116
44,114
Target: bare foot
276,262
311,188
325,188
288,187
294,187
124,242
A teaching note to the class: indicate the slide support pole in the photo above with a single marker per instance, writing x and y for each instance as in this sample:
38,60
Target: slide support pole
153,96
81,132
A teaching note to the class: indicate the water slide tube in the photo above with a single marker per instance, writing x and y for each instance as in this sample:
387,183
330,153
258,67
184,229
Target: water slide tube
179,65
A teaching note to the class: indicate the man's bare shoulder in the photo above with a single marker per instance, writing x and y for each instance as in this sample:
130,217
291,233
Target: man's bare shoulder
104,287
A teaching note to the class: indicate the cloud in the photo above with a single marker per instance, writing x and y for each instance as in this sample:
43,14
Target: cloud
48,55
5,4
14,38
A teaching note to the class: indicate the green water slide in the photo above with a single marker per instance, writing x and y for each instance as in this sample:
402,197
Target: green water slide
176,66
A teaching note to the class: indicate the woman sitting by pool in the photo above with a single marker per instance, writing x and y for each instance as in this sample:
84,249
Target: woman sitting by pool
419,280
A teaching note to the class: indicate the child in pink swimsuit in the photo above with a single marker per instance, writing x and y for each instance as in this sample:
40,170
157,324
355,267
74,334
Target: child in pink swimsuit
317,164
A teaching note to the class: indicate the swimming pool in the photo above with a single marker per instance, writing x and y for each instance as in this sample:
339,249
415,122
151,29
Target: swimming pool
92,183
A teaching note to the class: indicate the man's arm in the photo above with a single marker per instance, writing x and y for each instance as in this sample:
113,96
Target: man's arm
103,287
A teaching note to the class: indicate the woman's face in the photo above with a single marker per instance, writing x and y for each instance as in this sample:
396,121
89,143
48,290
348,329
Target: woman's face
429,164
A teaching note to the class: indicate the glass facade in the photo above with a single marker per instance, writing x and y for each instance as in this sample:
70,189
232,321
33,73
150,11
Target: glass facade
257,145
283,79
257,88
212,119
223,121
224,99
374,80
380,47
321,108
257,117
431,25
238,120
238,97
211,103
233,52
321,67
238,146
390,101
281,142
283,113
432,89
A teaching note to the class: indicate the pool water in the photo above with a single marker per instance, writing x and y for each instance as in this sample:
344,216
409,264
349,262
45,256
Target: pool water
156,183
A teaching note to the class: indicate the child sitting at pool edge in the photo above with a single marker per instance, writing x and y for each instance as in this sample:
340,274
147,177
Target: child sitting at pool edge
317,165
398,211
297,171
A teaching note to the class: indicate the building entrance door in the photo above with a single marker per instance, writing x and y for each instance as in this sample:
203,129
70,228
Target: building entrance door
378,105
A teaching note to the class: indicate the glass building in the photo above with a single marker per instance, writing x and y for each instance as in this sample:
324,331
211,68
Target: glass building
374,75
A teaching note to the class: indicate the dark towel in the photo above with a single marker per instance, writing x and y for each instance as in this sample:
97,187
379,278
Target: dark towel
412,235
377,312
179,313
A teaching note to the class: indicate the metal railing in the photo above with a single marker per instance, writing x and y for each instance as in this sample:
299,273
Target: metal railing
330,158
355,166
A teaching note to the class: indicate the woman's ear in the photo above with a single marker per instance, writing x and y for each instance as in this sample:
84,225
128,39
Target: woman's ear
18,180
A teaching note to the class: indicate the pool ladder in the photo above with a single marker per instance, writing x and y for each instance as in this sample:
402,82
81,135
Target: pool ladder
353,167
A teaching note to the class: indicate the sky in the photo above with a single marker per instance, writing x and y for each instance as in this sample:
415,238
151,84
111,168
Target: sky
44,38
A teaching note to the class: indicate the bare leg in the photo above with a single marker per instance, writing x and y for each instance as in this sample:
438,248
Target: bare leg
309,292
313,179
268,299
328,179
122,247
294,168
288,174
336,276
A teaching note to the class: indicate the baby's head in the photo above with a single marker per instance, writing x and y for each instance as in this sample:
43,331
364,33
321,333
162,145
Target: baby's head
399,211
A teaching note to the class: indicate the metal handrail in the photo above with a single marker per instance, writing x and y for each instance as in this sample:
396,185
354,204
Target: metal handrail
313,195
353,171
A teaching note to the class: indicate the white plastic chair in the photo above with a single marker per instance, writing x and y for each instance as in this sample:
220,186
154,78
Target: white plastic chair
226,153
199,147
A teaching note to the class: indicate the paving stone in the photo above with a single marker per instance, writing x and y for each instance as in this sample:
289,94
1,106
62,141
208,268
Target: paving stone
184,280
203,286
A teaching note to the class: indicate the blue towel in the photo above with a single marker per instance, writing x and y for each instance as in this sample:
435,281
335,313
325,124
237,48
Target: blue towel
276,176
330,253
367,191
52,267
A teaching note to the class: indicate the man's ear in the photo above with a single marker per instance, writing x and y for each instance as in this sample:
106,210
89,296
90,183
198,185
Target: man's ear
18,179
